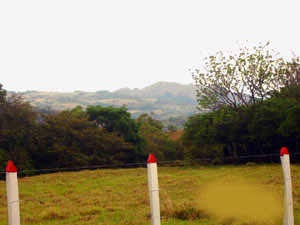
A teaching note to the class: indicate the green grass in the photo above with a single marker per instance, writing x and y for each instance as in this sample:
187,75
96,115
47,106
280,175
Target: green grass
120,196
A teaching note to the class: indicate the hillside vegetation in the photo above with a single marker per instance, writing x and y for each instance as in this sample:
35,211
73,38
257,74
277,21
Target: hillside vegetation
93,136
162,99
120,196
250,104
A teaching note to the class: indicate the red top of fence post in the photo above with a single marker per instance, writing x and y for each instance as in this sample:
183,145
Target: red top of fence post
11,168
284,151
151,159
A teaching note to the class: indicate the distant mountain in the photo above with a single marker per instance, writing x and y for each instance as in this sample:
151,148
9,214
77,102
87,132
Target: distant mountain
162,88
162,100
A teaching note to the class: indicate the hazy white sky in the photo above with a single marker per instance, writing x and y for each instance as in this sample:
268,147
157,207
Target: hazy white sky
67,45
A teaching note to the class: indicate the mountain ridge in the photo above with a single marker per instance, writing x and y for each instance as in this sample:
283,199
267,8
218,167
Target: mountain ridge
160,88
161,99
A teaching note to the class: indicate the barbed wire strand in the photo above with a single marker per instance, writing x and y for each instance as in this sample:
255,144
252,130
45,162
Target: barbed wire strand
128,165
143,164
224,158
136,164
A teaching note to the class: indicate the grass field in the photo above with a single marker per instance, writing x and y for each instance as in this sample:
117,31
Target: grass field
120,196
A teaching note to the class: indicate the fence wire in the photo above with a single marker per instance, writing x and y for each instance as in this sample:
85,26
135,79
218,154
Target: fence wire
135,165
165,189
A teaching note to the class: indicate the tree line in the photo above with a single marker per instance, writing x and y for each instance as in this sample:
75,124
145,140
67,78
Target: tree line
76,138
249,105
251,102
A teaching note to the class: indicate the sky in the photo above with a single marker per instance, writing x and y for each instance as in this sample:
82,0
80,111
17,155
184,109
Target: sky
87,45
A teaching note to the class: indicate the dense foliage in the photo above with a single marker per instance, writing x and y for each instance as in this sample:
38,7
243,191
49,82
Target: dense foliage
243,79
254,102
18,131
36,139
70,140
222,133
157,141
118,120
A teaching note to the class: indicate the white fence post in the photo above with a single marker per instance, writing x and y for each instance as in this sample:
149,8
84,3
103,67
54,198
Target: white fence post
12,194
153,190
288,197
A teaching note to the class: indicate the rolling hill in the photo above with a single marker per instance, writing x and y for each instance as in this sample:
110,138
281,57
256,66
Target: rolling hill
163,100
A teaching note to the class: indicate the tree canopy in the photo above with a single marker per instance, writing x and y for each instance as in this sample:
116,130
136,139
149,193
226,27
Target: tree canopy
242,79
17,131
261,131
118,120
71,138
252,103
156,140
2,94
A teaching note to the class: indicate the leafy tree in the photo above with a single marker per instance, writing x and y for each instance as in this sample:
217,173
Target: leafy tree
78,111
71,140
59,146
289,127
263,131
292,76
245,78
211,135
255,98
2,94
157,141
18,131
145,118
118,120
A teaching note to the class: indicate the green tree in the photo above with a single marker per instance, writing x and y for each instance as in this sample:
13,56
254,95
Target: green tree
245,78
157,141
289,98
69,139
118,120
263,131
2,94
292,76
255,100
211,135
18,131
